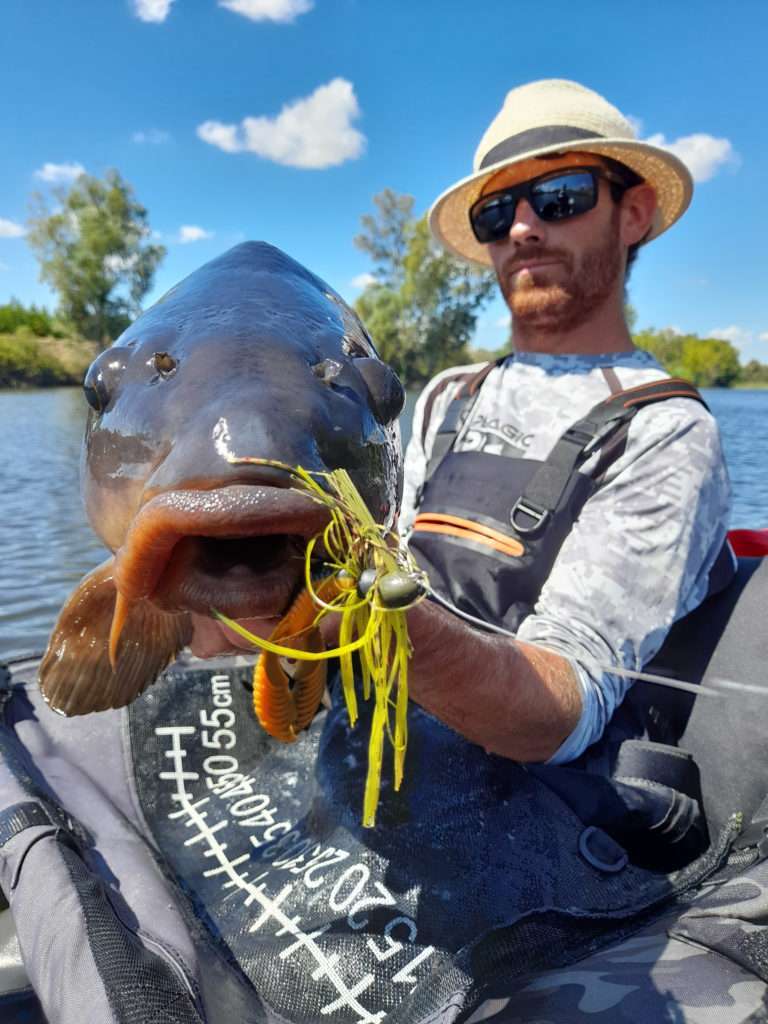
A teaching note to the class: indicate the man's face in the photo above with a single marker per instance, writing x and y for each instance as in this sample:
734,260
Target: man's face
554,275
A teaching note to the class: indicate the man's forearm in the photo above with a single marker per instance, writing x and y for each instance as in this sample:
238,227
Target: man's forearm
512,698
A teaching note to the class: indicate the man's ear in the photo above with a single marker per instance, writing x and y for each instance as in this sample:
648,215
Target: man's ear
638,206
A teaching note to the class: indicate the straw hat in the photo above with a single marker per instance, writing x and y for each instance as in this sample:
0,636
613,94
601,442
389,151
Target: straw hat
556,116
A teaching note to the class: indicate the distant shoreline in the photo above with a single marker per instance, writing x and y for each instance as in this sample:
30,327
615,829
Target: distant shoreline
28,360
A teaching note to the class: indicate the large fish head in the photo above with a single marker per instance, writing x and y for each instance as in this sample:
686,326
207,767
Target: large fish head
250,357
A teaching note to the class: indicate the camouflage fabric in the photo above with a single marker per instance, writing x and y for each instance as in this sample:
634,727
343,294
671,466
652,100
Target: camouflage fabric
708,965
649,978
638,558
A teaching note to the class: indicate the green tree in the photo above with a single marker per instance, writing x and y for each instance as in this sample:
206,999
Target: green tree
755,373
489,355
422,307
710,362
94,250
14,316
665,345
385,236
25,362
706,362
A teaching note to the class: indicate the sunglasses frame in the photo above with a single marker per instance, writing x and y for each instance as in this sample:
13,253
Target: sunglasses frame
525,188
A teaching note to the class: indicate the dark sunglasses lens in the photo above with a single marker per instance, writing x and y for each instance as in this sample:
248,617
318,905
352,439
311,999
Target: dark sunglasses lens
565,196
492,219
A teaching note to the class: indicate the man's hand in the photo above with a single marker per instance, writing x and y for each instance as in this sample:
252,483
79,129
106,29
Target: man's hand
512,698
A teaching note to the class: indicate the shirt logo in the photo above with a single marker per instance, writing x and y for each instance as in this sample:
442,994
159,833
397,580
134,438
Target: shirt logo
494,437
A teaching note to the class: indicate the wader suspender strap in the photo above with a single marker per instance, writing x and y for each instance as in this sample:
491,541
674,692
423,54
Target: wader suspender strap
457,413
533,509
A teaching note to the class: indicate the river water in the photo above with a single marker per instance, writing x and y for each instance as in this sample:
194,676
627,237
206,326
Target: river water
46,545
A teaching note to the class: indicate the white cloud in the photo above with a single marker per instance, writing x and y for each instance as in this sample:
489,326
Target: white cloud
152,10
763,336
154,137
362,281
314,132
222,135
10,229
738,336
703,154
503,321
637,124
57,174
268,10
192,233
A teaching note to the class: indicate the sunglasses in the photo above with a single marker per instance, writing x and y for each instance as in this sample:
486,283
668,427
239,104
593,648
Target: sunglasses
552,197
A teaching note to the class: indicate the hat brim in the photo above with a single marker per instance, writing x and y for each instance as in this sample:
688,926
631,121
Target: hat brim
663,171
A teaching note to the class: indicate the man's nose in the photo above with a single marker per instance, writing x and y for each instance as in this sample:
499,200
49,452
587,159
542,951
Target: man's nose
527,227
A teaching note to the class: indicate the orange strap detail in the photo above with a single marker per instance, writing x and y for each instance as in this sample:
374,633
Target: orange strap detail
466,529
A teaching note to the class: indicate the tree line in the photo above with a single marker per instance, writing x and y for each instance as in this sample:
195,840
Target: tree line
96,250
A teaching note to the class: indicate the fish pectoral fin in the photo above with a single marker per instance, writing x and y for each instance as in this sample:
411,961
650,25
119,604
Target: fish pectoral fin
76,674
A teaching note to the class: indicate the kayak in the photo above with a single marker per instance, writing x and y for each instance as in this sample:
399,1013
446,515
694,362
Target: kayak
164,864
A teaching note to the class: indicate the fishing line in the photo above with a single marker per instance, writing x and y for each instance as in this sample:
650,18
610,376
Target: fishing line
616,670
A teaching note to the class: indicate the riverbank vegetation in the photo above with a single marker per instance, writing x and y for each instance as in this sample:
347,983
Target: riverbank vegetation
421,305
37,350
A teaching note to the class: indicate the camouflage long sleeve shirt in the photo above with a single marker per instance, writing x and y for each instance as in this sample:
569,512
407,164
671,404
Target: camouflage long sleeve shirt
638,558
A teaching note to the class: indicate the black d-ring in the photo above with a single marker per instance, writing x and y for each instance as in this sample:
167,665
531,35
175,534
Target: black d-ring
539,515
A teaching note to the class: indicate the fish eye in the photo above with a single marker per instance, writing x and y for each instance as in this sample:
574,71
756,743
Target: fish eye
95,390
102,380
164,363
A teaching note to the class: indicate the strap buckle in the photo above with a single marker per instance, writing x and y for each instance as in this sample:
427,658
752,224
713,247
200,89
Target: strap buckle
588,440
535,512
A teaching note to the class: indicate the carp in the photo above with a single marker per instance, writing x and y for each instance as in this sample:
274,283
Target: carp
251,356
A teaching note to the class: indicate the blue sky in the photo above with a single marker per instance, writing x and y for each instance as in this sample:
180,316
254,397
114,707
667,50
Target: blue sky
348,97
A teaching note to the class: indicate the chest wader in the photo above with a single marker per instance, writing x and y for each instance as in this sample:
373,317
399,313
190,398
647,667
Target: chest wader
488,530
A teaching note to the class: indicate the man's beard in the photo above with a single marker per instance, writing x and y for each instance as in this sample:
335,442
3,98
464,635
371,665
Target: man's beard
571,301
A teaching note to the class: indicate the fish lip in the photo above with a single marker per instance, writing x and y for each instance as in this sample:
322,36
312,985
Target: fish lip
244,474
144,564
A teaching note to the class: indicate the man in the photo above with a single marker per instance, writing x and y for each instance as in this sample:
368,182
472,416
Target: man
560,199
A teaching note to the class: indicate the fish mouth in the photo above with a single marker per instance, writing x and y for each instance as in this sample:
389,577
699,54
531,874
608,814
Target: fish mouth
239,549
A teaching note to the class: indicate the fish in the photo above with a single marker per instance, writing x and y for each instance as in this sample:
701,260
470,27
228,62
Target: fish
251,357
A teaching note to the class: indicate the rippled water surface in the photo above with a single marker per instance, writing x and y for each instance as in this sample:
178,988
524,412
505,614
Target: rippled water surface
743,419
46,545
